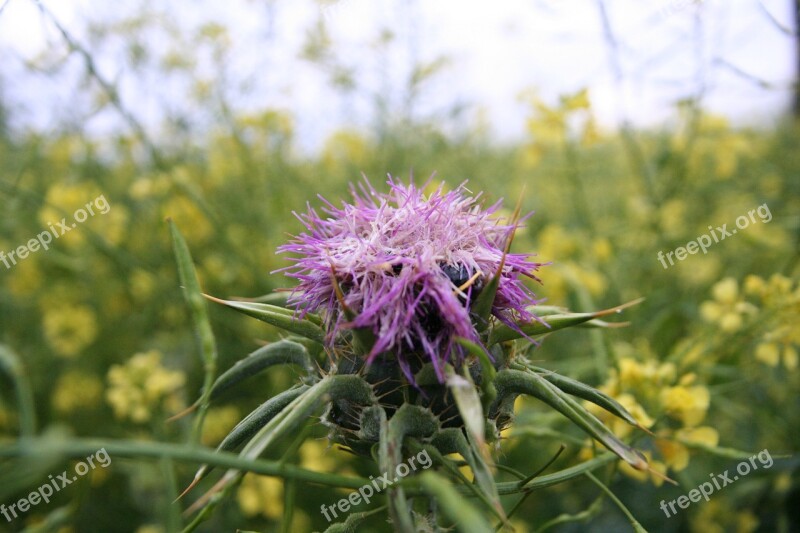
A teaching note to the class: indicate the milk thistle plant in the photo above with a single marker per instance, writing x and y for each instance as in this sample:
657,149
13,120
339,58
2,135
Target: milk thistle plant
410,320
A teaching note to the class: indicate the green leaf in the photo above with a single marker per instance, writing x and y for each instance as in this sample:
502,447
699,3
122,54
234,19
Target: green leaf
583,391
284,352
277,316
467,518
471,411
555,322
503,333
408,420
59,445
469,405
488,372
556,478
450,465
531,383
249,426
292,418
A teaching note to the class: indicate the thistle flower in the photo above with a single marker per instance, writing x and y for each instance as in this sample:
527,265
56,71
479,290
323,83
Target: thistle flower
408,267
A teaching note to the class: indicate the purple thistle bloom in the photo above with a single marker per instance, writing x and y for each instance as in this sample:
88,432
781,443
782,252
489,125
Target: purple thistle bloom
406,264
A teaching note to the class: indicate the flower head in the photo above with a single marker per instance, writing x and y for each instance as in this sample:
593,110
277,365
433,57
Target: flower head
409,267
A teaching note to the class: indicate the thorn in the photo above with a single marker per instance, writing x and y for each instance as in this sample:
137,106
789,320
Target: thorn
514,222
338,290
645,430
213,299
530,478
661,476
195,481
183,413
619,308
206,497
469,282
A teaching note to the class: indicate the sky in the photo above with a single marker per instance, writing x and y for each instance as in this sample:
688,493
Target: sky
728,51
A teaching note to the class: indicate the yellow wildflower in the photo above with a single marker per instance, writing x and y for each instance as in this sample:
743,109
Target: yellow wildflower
261,495
142,387
726,309
69,329
218,423
601,249
76,390
317,455
768,353
675,454
687,404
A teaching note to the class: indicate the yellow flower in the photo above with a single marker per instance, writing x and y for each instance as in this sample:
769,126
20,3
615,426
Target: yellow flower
556,242
790,357
115,225
687,404
261,495
726,291
779,342
675,451
345,147
716,516
142,387
601,250
652,475
633,374
218,424
318,456
675,454
621,428
754,285
726,309
26,278
148,187
76,390
673,218
703,435
69,329
142,284
768,353
62,201
189,218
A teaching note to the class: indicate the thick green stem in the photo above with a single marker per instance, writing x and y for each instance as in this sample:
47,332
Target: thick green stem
80,448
